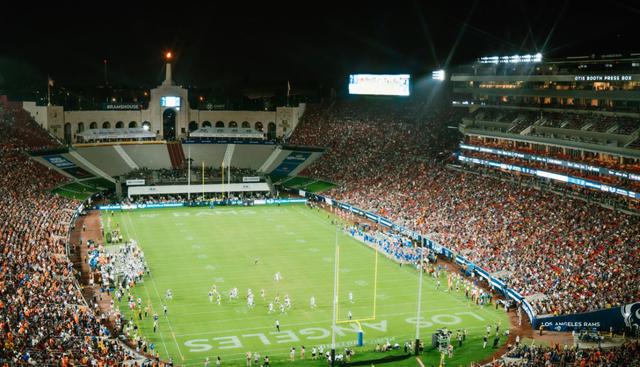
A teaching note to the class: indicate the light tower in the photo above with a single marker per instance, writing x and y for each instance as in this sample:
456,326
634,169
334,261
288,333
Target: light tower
168,56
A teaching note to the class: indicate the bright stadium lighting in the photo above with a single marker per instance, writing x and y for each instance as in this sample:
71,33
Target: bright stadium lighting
514,59
145,127
168,55
438,75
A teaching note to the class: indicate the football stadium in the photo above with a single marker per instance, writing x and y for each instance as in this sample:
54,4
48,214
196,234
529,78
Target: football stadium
485,212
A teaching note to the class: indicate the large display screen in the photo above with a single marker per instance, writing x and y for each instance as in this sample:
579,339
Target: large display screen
168,101
379,84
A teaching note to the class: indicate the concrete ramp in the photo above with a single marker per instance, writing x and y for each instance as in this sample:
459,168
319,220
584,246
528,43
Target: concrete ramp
91,166
125,157
228,154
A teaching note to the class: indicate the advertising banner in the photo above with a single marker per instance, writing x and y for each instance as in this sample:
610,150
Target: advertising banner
616,317
67,166
135,182
290,163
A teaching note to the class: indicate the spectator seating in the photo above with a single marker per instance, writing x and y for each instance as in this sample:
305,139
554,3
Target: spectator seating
573,252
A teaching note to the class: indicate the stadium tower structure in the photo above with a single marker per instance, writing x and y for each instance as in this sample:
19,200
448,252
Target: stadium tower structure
564,113
569,125
164,113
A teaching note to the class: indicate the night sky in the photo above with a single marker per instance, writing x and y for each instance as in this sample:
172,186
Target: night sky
252,44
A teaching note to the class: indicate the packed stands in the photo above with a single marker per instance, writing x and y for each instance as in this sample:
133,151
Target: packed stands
572,252
627,355
595,159
44,320
20,131
584,174
363,134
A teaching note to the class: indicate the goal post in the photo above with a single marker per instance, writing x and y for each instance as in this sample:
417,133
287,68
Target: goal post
375,289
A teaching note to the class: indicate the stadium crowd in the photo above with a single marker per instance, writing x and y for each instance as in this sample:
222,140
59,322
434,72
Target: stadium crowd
21,132
592,158
583,174
44,320
574,253
627,355
384,157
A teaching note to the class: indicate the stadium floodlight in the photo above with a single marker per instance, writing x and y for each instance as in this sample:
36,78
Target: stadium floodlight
514,59
438,75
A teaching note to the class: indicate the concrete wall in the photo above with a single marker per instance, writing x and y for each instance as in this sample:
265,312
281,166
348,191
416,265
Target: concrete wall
49,117
105,158
251,156
210,154
288,118
154,156
39,113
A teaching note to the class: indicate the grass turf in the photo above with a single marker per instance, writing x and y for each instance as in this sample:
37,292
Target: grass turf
190,249
72,194
81,190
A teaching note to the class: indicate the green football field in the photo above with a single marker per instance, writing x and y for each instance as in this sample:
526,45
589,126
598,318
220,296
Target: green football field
191,249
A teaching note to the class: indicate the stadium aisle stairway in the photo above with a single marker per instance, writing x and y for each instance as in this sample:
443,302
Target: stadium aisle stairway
176,154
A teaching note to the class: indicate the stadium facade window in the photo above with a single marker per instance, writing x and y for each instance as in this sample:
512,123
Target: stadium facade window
133,124
193,126
93,125
259,126
233,124
246,125
206,124
106,125
219,124
147,126
80,127
119,125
